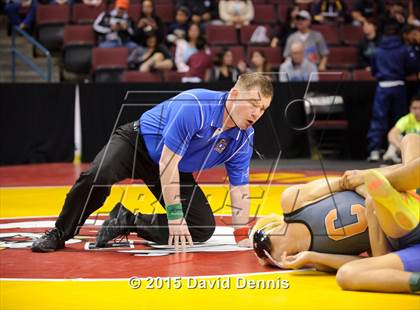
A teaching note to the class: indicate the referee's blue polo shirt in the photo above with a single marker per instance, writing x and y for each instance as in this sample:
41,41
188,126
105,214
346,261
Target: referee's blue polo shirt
189,124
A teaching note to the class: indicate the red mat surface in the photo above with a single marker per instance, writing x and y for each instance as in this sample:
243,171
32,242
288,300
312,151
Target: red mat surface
75,262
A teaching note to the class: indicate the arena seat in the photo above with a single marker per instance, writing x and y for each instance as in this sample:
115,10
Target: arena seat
173,76
264,13
247,31
362,75
334,75
77,48
351,35
86,14
283,2
282,9
330,33
134,11
50,21
141,77
166,12
221,35
108,63
342,58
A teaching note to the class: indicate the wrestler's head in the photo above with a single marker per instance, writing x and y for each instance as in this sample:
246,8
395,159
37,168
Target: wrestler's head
248,100
269,234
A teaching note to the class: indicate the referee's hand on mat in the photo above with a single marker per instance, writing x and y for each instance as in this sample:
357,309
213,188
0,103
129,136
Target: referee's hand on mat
179,235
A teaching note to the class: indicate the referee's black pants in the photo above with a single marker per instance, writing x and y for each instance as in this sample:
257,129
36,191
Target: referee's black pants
119,160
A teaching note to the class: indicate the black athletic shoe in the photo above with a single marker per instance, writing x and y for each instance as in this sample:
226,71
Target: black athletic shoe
119,224
51,241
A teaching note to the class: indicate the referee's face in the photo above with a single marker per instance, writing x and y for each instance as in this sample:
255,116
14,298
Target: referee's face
248,107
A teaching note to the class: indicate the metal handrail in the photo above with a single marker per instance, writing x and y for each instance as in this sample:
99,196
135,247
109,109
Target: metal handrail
16,53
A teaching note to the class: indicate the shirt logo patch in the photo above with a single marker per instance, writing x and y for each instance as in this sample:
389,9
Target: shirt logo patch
221,146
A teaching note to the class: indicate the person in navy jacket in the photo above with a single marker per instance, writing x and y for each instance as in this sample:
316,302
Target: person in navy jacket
392,62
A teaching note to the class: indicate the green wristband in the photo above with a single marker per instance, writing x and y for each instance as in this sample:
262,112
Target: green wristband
415,282
174,212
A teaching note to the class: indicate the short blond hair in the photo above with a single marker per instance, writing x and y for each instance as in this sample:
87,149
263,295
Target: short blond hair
267,223
248,81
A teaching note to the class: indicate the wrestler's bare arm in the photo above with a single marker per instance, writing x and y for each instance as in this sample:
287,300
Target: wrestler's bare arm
298,196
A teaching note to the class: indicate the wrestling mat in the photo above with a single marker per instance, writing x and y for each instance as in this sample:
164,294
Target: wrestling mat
136,275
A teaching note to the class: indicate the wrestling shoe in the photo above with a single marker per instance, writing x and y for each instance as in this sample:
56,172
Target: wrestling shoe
119,224
51,241
403,206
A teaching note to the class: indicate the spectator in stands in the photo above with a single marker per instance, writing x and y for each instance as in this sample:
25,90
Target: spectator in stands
304,4
283,31
148,22
367,45
201,11
411,36
200,63
330,10
316,49
61,2
179,28
391,63
236,12
153,57
259,63
223,69
364,10
414,13
92,2
297,67
185,48
12,9
405,125
395,13
115,28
